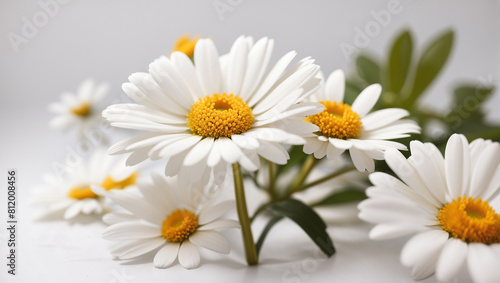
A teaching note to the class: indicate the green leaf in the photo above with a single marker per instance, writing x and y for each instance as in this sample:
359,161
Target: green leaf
467,117
429,65
368,70
345,196
266,230
308,220
352,90
399,62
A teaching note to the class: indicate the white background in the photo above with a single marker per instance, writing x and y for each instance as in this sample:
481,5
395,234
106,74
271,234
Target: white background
109,40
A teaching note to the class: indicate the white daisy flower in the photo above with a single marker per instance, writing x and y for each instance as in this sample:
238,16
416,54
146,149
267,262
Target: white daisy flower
80,109
452,203
220,110
352,127
160,220
72,195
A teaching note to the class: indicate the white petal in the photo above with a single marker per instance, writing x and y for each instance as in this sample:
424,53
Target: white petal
220,224
451,260
427,165
166,255
271,77
258,60
189,256
361,160
273,152
312,145
335,86
342,144
138,248
393,230
238,56
381,118
245,142
206,61
229,151
457,165
483,262
185,67
366,100
73,210
409,175
210,213
333,152
321,151
423,247
130,231
198,152
211,240
249,160
117,217
484,170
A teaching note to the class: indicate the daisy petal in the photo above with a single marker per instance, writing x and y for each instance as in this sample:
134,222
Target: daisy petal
451,260
166,255
220,224
366,100
361,160
209,214
130,231
189,256
137,248
211,240
457,165
117,217
73,210
422,247
483,261
198,152
334,86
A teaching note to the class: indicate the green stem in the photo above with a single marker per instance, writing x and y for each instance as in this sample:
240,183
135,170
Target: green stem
241,207
326,178
304,172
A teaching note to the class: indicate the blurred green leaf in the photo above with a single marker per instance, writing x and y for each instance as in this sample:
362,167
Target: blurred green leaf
430,64
352,90
308,220
399,63
368,69
345,196
467,116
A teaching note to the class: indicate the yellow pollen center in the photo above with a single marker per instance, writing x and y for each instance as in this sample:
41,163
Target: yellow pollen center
337,121
82,192
179,225
82,110
472,221
220,115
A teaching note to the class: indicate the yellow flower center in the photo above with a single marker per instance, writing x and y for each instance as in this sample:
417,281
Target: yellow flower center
220,115
82,110
337,121
82,192
185,45
470,220
179,225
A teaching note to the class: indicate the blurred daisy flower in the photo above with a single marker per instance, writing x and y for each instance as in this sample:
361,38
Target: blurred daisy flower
80,109
72,195
353,127
219,111
175,221
186,44
452,203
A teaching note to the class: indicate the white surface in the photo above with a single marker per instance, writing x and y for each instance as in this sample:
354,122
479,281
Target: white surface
108,40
